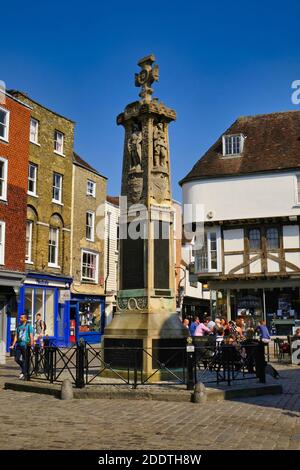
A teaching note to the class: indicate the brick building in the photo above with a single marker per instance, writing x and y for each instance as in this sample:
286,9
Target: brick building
87,252
14,150
46,289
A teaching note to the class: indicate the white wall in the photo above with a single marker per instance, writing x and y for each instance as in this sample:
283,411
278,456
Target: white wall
231,261
234,239
111,232
243,197
291,236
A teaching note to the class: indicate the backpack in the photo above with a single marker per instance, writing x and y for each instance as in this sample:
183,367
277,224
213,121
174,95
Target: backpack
43,325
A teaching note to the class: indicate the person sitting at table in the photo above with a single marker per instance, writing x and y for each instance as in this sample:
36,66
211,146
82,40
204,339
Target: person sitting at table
202,330
296,336
263,332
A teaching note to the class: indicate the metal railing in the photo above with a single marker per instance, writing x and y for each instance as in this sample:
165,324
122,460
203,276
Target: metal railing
85,364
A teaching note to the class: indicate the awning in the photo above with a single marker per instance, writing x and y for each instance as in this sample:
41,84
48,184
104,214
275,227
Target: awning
11,279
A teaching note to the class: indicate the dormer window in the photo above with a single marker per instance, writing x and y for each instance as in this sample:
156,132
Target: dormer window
233,144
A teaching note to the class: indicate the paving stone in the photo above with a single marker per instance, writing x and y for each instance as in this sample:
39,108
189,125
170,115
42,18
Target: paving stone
267,422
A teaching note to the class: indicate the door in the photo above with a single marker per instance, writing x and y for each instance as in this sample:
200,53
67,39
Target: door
63,324
73,337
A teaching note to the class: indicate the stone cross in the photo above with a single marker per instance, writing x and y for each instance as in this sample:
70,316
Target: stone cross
146,77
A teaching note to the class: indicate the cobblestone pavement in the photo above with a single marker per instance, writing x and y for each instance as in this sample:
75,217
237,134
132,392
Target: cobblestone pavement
32,421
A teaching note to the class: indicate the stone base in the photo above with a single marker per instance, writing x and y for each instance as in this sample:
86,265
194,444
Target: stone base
146,324
131,354
144,340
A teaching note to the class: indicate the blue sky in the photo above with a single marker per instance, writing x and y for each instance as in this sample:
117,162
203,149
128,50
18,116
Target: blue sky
218,60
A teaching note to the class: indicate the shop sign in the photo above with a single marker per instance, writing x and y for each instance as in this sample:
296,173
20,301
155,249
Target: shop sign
64,295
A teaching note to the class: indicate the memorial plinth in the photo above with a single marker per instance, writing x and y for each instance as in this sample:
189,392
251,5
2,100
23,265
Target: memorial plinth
146,309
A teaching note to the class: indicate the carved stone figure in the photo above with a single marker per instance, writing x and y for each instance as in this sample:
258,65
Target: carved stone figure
135,147
160,146
160,187
135,187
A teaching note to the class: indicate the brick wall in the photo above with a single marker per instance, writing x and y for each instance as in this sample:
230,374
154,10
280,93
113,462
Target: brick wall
41,210
81,204
13,211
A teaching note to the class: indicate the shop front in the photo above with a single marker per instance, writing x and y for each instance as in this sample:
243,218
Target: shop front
87,317
47,295
277,302
9,292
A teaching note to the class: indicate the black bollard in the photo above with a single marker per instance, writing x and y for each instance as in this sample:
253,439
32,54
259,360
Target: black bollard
190,356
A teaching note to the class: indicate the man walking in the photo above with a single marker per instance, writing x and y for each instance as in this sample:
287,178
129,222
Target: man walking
23,339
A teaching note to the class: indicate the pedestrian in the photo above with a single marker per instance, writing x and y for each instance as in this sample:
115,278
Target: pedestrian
202,330
210,323
39,330
23,340
263,332
220,336
194,325
186,323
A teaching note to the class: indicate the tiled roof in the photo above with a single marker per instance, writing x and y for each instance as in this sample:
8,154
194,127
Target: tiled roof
113,200
272,143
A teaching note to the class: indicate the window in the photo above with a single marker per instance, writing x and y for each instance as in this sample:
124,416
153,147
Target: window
206,259
34,131
29,225
53,247
272,237
233,144
90,226
91,188
57,188
89,266
29,304
89,316
40,300
58,142
49,313
2,242
4,124
32,174
213,251
201,257
3,178
254,239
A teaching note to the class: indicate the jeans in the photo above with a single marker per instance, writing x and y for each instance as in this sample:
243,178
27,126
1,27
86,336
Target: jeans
21,353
